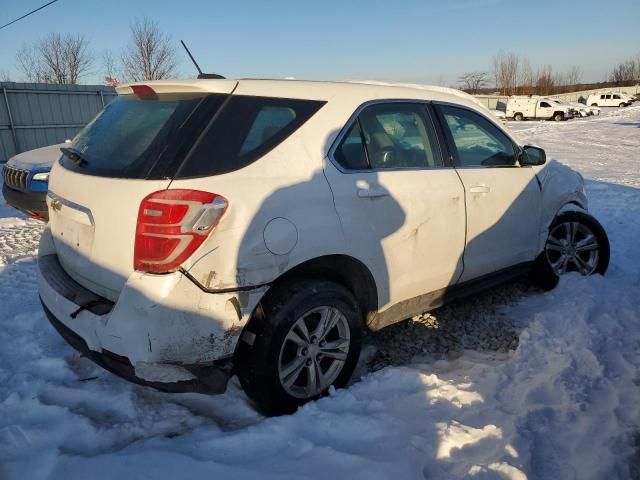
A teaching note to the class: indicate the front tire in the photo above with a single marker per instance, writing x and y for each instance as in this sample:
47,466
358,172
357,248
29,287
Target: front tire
558,117
576,243
308,338
594,104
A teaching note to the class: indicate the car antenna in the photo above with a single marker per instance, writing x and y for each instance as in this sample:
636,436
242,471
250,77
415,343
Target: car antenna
201,75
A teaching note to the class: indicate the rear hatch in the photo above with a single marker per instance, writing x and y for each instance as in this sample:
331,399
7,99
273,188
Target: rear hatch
131,149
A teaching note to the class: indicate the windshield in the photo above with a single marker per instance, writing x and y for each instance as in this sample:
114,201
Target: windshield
140,138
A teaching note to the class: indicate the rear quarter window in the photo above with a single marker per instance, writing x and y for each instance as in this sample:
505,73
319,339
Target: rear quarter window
247,128
135,138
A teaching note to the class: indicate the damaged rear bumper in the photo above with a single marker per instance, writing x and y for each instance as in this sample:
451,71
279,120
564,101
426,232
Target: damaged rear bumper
206,379
162,330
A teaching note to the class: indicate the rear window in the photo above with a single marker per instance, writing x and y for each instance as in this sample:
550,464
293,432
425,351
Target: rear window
135,138
246,129
184,136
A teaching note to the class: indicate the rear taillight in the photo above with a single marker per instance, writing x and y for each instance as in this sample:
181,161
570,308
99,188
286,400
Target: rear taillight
172,224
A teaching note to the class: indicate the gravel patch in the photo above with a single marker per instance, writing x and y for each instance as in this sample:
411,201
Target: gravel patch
476,323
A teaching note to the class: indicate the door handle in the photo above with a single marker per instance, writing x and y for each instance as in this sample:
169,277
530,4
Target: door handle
479,189
372,192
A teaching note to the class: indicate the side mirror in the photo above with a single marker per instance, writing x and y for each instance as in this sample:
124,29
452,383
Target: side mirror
532,156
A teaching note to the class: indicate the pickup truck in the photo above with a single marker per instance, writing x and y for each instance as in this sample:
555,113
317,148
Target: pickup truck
521,108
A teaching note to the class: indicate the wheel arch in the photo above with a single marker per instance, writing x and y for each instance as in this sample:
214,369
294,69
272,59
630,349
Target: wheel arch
572,203
340,268
561,189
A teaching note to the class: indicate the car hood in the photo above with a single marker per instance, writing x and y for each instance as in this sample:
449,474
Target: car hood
38,158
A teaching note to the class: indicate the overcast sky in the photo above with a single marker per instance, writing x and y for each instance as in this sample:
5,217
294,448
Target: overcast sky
403,40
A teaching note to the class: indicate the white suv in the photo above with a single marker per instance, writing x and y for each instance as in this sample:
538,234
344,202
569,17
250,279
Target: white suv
209,227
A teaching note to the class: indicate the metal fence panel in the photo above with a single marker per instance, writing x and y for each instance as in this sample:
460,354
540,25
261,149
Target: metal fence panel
34,115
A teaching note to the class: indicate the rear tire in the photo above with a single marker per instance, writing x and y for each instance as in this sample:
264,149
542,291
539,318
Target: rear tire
518,117
308,338
576,243
594,104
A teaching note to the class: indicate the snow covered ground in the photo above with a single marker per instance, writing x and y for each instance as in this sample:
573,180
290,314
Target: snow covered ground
565,404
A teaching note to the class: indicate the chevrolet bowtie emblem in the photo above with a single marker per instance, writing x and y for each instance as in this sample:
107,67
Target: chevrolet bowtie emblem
56,205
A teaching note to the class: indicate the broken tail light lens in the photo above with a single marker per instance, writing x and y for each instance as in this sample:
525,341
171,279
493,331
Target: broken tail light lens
172,224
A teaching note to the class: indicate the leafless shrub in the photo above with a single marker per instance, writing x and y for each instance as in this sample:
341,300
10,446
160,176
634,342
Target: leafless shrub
150,54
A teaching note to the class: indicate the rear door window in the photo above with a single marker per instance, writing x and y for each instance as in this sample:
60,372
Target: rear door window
246,129
390,135
351,153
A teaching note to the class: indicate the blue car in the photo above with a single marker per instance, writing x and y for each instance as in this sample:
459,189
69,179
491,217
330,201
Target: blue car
26,180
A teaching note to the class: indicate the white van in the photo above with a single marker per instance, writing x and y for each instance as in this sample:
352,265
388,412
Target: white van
611,99
520,108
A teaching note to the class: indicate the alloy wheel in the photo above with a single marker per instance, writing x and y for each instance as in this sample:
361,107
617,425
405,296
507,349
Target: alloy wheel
572,246
314,352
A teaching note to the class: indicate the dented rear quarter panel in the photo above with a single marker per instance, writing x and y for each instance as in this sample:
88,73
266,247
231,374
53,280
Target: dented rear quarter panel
287,183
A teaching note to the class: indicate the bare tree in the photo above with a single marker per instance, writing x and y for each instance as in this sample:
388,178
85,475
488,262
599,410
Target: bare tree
573,75
5,76
150,54
111,69
55,59
625,72
76,56
28,61
505,71
545,81
526,78
473,81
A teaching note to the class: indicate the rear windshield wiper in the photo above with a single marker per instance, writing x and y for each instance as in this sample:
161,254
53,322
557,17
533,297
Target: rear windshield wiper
75,156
